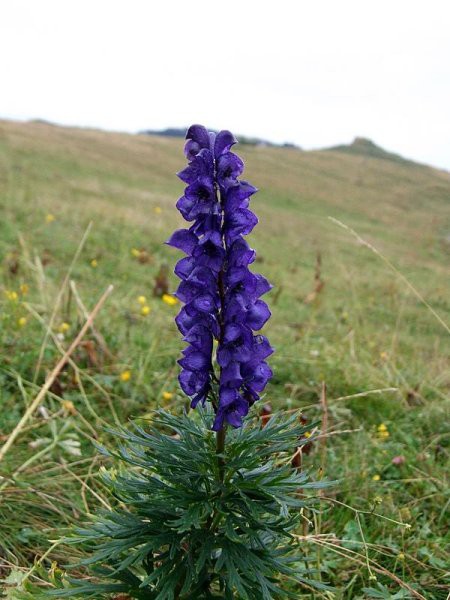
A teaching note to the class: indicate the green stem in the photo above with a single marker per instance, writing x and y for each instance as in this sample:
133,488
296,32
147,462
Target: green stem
220,448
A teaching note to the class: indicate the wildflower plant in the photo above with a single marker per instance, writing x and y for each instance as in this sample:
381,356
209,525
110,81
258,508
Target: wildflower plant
207,505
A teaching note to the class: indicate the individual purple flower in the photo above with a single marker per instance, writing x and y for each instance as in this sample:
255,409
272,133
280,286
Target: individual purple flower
221,296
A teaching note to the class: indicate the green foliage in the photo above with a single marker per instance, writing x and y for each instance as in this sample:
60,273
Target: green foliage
185,527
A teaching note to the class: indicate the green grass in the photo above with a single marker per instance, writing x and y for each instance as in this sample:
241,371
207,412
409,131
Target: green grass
365,333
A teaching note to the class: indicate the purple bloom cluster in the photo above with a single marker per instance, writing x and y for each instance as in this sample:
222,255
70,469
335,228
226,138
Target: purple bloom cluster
221,295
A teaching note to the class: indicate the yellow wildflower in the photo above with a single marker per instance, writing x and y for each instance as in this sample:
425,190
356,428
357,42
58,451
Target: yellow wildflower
307,434
384,355
11,295
63,327
382,431
170,300
50,218
401,556
125,376
145,310
94,263
158,210
22,321
24,289
142,300
135,252
376,477
167,395
378,499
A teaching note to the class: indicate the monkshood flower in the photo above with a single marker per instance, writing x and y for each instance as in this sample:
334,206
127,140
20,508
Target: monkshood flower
221,296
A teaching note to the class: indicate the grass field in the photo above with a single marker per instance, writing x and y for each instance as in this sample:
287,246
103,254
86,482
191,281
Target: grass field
367,313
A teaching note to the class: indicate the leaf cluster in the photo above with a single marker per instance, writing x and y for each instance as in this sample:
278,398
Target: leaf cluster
185,528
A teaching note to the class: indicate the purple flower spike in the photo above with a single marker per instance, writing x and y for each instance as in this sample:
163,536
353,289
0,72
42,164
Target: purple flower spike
221,295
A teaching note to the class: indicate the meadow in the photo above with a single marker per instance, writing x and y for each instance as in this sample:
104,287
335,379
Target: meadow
357,245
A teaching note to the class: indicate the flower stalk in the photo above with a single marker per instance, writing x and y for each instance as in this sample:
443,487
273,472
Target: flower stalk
220,449
221,295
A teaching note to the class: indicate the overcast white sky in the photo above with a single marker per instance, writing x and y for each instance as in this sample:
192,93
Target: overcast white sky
312,72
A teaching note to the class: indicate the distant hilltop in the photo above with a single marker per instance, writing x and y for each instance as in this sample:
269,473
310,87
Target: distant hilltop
364,147
360,146
251,141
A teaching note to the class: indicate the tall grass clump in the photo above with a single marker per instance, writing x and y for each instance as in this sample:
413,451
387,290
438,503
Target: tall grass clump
207,506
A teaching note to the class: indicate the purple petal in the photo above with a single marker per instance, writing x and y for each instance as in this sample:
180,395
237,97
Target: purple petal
230,410
210,256
240,254
200,397
242,353
192,383
229,166
200,338
224,140
201,190
227,396
263,286
183,239
240,222
204,277
231,375
184,267
237,196
209,222
186,206
198,139
232,332
261,347
235,309
258,315
186,319
202,165
189,316
219,420
257,377
199,134
187,291
214,237
205,303
234,418
243,277
224,356
191,149
194,360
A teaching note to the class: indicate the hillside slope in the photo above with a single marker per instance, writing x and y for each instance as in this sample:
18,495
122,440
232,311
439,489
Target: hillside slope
126,185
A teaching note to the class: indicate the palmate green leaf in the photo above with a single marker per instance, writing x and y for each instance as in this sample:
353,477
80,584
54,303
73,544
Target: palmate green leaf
179,531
